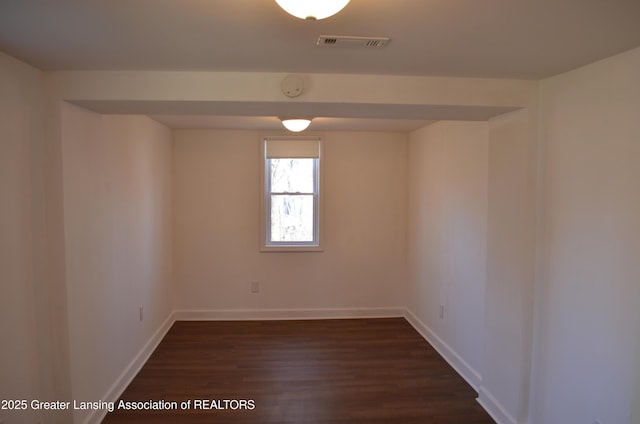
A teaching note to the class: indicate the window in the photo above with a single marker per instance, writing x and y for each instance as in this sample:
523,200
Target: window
291,201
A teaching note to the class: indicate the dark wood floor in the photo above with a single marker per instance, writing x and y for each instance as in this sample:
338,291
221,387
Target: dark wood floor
327,371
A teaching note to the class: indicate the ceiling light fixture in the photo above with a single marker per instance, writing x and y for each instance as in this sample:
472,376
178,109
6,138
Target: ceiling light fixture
312,9
295,124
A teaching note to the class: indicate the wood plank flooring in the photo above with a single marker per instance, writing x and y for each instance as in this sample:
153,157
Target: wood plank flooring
326,371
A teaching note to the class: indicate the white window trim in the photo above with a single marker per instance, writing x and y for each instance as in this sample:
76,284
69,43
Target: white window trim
265,199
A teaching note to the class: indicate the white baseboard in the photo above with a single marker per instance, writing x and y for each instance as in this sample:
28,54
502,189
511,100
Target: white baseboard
286,314
465,370
132,369
494,408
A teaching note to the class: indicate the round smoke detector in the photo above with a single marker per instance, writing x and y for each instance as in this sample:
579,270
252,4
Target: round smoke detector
292,86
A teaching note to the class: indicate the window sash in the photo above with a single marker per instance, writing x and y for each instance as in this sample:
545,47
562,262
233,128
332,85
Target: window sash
315,242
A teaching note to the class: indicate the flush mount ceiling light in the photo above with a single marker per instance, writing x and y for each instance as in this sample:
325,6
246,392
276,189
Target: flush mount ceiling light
295,124
312,9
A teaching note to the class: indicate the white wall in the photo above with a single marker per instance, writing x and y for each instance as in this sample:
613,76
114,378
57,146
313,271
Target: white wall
447,226
244,92
117,215
21,135
216,199
511,260
588,310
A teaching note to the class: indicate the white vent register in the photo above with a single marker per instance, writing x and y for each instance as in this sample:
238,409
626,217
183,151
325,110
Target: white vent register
352,41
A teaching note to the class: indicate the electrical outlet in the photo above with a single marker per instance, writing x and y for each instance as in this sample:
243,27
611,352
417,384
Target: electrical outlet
255,287
141,313
441,311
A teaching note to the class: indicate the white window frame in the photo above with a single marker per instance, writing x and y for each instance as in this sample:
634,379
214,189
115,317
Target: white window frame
266,245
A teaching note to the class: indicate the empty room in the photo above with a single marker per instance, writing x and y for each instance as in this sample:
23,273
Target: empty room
260,211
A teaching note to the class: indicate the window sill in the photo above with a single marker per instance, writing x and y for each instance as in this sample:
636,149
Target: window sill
286,249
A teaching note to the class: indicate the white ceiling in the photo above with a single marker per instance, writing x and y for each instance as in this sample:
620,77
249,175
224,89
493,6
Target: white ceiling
524,39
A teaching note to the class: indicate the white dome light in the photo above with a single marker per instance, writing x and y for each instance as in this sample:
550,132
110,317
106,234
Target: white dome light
296,125
312,9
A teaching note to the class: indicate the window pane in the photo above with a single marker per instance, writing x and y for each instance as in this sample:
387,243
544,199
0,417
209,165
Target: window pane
291,218
292,175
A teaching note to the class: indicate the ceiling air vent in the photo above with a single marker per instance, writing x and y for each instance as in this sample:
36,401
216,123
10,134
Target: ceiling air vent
352,41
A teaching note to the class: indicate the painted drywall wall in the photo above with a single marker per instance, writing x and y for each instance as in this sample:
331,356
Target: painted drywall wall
511,255
117,213
447,227
216,220
248,90
21,135
587,311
